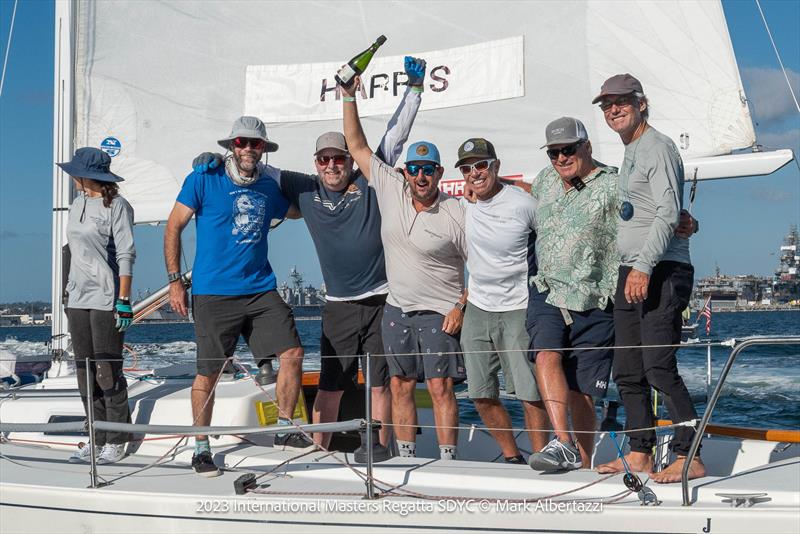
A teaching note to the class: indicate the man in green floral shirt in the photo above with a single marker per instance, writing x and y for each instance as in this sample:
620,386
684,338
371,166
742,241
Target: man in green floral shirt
571,295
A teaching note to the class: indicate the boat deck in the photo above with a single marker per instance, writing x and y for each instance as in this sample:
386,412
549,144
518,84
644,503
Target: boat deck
423,494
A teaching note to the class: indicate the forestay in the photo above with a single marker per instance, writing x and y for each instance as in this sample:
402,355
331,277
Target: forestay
158,82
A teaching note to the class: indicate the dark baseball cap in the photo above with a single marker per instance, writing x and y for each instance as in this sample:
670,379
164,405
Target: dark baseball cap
564,131
619,84
477,147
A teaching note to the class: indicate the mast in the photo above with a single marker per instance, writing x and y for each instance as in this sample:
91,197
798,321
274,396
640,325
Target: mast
62,151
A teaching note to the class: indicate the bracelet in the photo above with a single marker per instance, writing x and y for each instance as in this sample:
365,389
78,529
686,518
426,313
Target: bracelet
417,88
349,98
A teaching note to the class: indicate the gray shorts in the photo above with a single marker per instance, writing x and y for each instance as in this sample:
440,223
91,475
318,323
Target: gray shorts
420,332
495,340
264,320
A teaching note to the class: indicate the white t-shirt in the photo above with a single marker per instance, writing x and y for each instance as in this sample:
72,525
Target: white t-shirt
497,232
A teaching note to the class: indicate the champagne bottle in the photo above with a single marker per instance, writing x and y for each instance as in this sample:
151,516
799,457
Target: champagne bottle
358,64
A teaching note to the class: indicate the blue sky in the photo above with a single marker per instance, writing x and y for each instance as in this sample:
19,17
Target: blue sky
743,221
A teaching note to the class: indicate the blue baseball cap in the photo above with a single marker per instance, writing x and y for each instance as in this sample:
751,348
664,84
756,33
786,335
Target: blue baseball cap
423,151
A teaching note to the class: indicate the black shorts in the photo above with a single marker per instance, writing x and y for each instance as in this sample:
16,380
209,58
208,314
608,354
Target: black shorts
351,328
439,354
264,319
587,371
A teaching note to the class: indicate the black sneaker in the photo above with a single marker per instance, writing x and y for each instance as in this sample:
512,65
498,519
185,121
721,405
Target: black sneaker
203,465
518,459
296,442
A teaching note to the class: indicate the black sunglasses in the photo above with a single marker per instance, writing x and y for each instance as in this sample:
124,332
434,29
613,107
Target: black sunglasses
621,101
568,150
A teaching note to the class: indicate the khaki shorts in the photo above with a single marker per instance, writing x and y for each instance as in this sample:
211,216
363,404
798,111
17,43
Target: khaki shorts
494,341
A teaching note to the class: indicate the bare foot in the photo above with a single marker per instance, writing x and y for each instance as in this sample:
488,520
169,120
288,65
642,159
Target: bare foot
673,471
638,462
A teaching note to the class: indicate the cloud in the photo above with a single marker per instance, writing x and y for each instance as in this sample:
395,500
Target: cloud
770,100
770,194
9,234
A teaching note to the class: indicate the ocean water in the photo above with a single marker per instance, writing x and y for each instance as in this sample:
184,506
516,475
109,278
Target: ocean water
762,389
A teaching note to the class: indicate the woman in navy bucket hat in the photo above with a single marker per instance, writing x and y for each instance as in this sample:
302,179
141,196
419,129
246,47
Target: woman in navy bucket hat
100,236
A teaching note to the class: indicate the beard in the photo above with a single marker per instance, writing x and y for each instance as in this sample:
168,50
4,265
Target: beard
247,165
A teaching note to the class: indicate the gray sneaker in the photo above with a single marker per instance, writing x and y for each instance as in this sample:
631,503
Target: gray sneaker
556,456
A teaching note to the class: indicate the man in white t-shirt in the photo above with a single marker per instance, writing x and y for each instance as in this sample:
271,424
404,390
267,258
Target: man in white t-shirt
499,228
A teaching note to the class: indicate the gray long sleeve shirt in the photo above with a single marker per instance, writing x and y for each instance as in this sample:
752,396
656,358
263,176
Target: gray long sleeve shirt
651,178
101,245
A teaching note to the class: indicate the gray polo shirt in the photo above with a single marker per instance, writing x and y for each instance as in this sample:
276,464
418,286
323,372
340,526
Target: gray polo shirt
651,178
101,247
425,251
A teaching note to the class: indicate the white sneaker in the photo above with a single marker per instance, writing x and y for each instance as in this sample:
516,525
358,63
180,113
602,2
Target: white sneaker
83,454
111,453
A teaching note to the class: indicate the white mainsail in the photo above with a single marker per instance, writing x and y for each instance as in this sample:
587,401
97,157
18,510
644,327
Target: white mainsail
167,79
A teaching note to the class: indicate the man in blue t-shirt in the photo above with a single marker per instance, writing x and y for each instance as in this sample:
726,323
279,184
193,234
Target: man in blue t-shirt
342,216
234,289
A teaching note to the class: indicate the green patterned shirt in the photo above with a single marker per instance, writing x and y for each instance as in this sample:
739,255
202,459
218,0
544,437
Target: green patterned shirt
576,239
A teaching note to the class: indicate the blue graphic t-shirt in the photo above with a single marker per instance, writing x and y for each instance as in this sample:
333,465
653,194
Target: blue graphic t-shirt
232,225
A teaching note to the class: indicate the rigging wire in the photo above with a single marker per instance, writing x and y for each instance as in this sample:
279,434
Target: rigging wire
8,47
778,55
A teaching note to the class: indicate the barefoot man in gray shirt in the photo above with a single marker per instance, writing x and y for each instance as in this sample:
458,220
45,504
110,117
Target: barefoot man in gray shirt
655,280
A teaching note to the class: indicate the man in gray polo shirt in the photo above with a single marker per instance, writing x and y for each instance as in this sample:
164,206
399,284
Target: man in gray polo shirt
423,237
655,279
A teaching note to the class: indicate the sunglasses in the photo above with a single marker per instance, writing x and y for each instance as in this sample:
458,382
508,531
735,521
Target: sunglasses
256,144
479,166
568,150
625,100
323,161
428,169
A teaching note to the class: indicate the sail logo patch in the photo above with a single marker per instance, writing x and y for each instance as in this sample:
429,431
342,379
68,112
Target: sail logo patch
111,146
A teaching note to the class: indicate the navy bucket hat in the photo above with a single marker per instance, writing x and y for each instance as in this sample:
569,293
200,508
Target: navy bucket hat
92,163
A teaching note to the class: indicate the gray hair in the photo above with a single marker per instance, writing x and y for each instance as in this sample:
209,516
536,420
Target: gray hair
642,98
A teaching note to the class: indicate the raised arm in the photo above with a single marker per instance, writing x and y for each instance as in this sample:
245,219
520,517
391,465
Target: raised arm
353,132
399,126
178,219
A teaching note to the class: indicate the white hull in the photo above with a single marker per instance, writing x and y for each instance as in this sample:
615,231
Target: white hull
39,490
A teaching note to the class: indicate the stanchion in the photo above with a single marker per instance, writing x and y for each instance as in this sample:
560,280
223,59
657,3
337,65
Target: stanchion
90,418
368,408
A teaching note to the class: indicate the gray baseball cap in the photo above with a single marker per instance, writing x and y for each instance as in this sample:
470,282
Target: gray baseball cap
250,127
331,140
564,131
619,84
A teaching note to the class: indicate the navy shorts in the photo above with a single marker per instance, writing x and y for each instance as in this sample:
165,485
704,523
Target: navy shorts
587,371
420,332
350,328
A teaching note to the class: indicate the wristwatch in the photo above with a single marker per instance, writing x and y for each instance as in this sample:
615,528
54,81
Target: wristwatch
461,306
173,277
